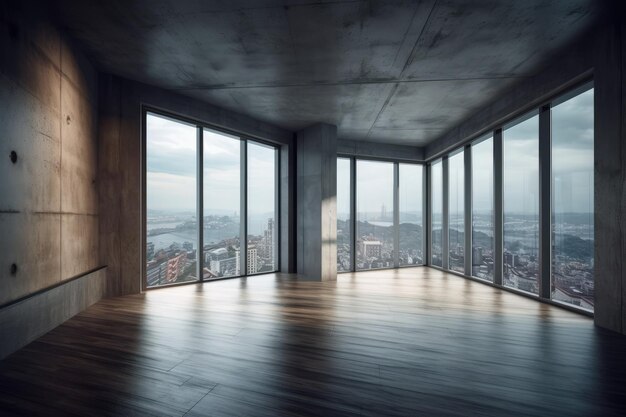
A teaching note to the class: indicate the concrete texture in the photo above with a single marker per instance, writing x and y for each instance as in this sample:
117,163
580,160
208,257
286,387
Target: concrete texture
396,71
317,203
25,321
568,67
378,150
120,171
48,198
33,243
622,207
609,180
287,209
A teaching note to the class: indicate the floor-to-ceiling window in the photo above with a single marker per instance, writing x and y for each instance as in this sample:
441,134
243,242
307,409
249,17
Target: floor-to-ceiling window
531,184
456,212
410,227
238,200
572,201
436,220
386,228
344,222
374,227
222,205
262,220
171,201
482,209
521,205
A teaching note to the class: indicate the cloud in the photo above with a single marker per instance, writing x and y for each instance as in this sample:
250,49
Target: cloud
171,169
261,178
170,192
374,186
170,146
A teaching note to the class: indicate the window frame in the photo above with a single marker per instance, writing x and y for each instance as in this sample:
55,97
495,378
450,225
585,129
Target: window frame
245,139
353,210
543,110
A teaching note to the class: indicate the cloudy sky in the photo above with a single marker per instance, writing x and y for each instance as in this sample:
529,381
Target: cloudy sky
171,179
171,160
572,154
374,189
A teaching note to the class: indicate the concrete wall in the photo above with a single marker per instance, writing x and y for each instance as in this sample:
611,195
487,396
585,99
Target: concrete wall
48,197
120,162
26,320
599,54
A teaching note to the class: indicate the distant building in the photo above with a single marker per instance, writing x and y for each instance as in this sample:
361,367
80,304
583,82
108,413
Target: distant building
175,267
252,260
221,263
150,250
266,248
370,248
509,259
477,256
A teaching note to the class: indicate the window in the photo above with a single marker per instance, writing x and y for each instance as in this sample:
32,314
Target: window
521,205
222,224
572,201
375,229
436,186
238,199
389,225
262,232
344,222
456,221
410,214
171,205
482,209
559,245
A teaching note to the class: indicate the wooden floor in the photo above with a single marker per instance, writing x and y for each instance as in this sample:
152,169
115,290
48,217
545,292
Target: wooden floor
409,342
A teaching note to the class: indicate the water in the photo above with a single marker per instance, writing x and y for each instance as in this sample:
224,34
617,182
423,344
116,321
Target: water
211,236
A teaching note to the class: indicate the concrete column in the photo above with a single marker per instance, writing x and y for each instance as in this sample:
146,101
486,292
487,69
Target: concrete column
316,165
609,181
445,221
468,206
287,208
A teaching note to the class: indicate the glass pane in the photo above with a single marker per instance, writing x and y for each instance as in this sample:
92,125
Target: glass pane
375,229
482,210
344,235
262,232
436,185
521,205
171,224
410,227
456,225
572,201
222,205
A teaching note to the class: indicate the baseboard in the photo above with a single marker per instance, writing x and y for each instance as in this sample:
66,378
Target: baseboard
32,317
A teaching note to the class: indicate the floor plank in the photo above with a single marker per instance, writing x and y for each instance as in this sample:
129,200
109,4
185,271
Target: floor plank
413,341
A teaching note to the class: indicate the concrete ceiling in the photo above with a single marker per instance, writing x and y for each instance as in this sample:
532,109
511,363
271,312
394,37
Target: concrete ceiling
399,72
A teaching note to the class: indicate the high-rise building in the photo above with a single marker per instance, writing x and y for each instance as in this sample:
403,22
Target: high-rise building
252,260
267,244
149,250
370,248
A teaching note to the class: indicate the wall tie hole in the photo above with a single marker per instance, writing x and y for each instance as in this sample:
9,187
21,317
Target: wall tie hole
13,269
13,156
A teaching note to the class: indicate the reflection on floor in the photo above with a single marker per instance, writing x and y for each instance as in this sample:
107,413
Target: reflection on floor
414,341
